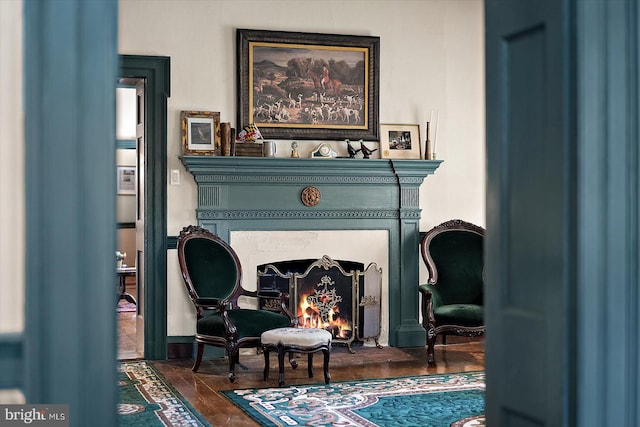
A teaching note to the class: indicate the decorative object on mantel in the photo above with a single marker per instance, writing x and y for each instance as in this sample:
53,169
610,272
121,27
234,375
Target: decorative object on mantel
287,80
427,144
324,151
400,141
250,133
247,149
248,143
268,149
366,151
310,196
430,151
294,150
200,133
226,133
352,151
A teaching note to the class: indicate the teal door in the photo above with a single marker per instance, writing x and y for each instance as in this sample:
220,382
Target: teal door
68,352
563,191
529,210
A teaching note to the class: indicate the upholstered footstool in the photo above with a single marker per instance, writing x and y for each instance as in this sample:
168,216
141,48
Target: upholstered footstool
296,340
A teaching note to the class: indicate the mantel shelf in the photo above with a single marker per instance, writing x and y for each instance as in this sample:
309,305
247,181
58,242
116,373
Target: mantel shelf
307,167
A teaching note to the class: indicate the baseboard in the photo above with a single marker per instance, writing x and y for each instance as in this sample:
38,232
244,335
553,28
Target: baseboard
183,347
179,350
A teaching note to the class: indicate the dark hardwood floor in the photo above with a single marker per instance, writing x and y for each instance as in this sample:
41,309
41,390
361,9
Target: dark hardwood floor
202,389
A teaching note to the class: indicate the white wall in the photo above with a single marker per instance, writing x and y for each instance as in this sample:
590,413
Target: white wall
12,210
432,58
12,200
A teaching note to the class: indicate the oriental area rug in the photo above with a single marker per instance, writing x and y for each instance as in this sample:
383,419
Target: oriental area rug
454,399
148,400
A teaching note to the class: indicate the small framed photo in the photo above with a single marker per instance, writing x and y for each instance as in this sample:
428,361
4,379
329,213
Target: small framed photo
200,133
400,142
126,180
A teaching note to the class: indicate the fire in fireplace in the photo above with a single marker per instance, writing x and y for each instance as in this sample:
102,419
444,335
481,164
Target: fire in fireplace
339,296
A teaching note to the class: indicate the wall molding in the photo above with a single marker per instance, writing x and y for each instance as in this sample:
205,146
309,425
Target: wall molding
155,70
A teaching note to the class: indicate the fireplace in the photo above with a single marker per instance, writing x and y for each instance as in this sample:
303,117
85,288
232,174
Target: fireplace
243,194
341,297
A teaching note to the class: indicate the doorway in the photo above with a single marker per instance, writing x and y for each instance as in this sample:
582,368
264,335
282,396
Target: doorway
130,143
151,216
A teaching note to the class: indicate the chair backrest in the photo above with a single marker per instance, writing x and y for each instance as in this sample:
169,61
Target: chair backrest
210,267
454,255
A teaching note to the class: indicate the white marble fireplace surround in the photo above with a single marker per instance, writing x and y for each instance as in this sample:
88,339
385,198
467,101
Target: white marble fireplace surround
366,246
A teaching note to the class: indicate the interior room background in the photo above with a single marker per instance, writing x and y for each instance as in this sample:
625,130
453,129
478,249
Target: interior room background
431,58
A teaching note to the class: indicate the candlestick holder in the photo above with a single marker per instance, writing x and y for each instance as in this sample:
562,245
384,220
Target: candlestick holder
427,144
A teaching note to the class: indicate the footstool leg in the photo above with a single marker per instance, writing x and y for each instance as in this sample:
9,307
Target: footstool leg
327,376
310,364
266,363
281,352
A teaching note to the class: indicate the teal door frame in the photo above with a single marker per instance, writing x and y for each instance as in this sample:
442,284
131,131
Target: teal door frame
607,224
155,70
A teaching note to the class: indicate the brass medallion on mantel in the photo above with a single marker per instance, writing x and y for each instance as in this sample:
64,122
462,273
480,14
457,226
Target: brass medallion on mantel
310,196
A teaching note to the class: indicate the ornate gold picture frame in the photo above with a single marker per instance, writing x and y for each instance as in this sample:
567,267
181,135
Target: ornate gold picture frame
200,133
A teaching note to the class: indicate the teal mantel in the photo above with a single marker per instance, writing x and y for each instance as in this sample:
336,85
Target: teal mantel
254,193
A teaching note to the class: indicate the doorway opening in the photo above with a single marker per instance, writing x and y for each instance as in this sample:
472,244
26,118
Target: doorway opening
130,150
151,210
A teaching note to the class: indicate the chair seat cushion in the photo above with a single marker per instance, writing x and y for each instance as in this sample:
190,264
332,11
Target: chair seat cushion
297,337
250,323
459,314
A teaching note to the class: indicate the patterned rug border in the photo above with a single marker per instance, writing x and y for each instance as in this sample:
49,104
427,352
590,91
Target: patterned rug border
235,396
201,422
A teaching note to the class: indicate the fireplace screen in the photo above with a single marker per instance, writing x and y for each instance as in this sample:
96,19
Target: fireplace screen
338,296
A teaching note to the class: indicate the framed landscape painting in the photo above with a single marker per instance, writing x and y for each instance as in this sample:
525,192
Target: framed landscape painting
307,85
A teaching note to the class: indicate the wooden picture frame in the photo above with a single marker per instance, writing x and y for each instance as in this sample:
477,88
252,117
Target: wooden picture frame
200,133
295,85
400,141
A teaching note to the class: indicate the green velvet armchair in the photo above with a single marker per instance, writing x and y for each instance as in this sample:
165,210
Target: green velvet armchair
452,300
213,276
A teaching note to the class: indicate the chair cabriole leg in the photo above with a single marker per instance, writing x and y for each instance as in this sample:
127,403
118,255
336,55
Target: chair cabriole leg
196,364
